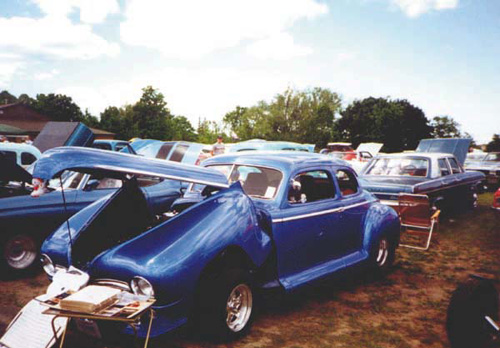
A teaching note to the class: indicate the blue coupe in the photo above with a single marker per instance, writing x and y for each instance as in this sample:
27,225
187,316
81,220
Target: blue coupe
277,220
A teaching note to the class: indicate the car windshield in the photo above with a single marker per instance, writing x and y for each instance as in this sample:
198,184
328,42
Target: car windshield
493,157
70,180
257,182
399,166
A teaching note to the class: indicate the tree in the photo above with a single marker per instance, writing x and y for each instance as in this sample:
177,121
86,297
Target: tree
301,116
397,124
472,141
58,107
445,127
494,144
7,98
152,116
89,120
182,129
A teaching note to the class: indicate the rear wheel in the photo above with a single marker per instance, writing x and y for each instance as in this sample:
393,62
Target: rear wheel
225,305
20,251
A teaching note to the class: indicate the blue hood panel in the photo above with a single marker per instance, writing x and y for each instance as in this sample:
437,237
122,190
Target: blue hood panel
119,165
455,146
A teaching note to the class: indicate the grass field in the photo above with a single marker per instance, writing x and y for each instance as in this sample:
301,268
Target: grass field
407,309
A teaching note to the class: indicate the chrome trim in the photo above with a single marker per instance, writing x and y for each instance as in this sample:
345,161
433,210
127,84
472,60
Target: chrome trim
324,212
389,202
113,283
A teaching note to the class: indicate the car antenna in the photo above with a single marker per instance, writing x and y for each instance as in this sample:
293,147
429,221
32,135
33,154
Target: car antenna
66,212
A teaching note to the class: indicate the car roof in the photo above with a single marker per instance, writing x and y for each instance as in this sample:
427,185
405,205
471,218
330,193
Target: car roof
283,160
431,155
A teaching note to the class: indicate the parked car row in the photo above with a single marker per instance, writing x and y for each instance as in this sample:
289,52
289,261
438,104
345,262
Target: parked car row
204,240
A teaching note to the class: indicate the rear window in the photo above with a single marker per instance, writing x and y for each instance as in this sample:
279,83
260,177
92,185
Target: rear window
399,166
178,153
120,146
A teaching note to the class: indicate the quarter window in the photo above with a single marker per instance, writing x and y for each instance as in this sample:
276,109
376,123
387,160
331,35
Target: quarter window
443,167
455,168
348,184
27,158
311,186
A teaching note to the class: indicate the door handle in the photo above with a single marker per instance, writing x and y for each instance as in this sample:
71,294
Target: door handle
341,210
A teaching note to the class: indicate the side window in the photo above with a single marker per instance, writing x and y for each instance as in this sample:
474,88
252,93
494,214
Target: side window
348,184
178,153
311,186
120,146
27,158
443,167
164,151
104,183
455,168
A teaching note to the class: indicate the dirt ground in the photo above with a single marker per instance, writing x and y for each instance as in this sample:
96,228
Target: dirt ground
407,308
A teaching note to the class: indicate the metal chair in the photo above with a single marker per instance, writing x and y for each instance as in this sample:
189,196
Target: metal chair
416,220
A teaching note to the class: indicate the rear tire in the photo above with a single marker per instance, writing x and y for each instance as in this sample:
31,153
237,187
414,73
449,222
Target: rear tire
469,304
225,305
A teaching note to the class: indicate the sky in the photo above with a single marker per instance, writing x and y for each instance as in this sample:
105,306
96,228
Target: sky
207,57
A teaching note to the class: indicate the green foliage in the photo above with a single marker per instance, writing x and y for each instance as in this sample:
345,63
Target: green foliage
445,127
397,124
208,132
300,116
182,129
58,107
7,98
152,116
494,144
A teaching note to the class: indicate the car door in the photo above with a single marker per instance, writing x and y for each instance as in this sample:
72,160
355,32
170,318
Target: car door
354,209
303,230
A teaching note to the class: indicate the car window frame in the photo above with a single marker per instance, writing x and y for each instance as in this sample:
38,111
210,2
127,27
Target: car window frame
295,173
357,193
445,160
460,169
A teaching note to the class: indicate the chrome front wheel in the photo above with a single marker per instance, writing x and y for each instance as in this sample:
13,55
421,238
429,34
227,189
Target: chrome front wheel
383,252
239,307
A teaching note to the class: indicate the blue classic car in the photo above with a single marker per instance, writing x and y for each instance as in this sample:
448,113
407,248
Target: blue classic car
112,145
434,169
264,145
264,221
26,221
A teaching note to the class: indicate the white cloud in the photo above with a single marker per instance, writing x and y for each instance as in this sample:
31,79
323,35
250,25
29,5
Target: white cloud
280,46
53,36
7,70
415,8
91,11
47,75
193,28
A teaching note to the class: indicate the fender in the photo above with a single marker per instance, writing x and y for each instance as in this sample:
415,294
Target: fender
173,254
378,220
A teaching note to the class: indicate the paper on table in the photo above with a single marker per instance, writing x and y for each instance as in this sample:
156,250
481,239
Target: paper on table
32,329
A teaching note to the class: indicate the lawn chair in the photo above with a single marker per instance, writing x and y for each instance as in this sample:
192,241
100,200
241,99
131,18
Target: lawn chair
417,223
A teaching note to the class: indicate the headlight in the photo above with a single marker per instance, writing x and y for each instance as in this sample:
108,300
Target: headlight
140,286
48,265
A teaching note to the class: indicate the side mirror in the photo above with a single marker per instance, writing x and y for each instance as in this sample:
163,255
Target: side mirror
91,185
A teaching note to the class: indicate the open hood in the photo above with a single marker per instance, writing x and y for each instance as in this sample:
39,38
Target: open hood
372,148
120,165
11,171
456,146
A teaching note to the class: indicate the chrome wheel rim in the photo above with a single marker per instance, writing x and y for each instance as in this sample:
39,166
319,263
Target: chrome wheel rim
20,252
239,307
383,252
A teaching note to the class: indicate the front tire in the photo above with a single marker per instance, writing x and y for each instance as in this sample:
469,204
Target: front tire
20,252
382,254
225,306
466,325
